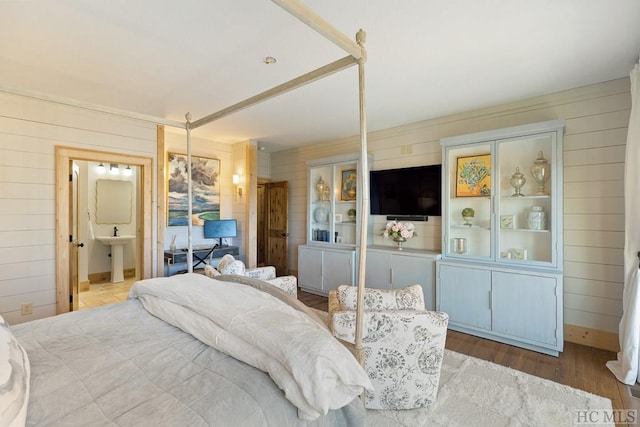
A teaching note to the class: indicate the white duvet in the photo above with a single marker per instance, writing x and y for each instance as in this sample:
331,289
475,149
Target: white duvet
314,370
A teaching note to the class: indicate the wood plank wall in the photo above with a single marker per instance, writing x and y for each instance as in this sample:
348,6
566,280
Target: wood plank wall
594,145
29,132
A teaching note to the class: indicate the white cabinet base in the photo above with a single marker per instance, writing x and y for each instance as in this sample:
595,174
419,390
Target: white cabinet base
321,270
516,307
389,268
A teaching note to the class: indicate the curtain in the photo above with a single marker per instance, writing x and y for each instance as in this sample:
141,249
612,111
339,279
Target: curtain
625,368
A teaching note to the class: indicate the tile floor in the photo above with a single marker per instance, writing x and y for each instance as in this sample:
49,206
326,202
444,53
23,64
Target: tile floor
105,293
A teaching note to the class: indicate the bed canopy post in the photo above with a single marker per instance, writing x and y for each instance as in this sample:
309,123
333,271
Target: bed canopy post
189,196
364,199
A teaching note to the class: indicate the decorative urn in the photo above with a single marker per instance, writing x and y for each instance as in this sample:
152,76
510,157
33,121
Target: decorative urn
540,170
517,181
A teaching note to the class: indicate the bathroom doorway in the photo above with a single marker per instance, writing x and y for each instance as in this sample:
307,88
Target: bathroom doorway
70,210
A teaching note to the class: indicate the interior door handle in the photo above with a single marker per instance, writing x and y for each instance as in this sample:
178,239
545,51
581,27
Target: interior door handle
285,234
79,245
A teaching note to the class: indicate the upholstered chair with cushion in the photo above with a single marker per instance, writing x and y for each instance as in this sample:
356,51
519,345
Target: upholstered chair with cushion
403,343
229,265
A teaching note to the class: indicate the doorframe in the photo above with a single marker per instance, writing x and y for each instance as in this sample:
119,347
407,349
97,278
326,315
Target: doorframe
64,155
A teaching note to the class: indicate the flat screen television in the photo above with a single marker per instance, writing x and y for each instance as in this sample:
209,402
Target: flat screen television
220,229
403,192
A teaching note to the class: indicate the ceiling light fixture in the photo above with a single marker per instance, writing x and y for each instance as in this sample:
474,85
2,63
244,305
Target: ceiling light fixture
269,60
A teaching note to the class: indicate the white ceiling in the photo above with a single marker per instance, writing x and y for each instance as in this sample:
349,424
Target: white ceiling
426,58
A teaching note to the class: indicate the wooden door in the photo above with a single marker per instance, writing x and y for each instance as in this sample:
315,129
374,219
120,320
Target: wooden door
74,245
277,235
261,228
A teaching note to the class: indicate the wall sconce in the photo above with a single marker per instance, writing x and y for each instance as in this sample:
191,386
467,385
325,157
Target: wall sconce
127,171
236,181
100,169
114,170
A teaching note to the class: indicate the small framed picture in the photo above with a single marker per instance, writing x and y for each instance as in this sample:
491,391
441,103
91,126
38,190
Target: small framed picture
473,176
508,221
349,185
338,218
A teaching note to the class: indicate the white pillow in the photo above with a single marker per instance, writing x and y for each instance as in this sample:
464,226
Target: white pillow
15,373
409,298
229,265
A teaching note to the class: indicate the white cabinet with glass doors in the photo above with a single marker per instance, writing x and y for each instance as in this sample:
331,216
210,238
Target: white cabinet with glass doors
502,196
334,190
333,194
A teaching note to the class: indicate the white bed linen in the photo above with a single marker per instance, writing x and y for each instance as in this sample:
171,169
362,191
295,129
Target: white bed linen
313,369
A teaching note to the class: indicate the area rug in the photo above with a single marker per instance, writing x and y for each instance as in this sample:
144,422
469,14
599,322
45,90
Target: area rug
474,392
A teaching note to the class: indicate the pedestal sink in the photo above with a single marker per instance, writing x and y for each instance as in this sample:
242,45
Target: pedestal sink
117,244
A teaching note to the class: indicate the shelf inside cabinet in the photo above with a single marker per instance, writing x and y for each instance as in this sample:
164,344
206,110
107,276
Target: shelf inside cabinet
526,230
472,227
545,196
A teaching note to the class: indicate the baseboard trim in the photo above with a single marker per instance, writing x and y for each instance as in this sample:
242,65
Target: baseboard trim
592,337
106,275
84,286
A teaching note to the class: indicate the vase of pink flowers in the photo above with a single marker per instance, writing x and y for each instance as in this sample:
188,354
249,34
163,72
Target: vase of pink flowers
399,231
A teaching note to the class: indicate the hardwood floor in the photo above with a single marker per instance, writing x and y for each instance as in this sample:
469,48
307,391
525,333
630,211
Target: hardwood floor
577,366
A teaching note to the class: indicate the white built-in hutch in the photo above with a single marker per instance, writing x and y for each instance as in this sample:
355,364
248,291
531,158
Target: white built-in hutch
329,257
500,275
500,272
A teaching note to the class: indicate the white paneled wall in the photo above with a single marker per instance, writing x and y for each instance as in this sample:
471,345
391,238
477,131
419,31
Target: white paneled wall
596,125
29,132
264,165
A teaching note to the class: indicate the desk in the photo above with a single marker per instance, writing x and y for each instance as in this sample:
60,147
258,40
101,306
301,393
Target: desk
201,255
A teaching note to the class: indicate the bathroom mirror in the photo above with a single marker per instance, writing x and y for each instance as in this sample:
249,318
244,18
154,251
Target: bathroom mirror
113,201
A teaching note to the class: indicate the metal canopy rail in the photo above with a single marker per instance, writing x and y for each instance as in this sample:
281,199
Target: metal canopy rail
300,81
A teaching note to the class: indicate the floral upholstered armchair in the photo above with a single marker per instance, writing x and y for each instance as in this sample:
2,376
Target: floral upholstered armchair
403,343
229,265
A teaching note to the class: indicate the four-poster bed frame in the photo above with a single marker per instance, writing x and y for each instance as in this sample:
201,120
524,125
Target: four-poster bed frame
357,55
193,344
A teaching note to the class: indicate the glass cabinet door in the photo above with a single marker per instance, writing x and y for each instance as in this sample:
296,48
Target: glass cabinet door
320,198
525,202
467,195
333,195
345,204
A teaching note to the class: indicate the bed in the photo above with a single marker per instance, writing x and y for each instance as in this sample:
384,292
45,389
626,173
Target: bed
139,362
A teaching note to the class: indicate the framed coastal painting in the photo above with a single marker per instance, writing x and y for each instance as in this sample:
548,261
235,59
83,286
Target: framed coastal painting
205,187
473,176
349,185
